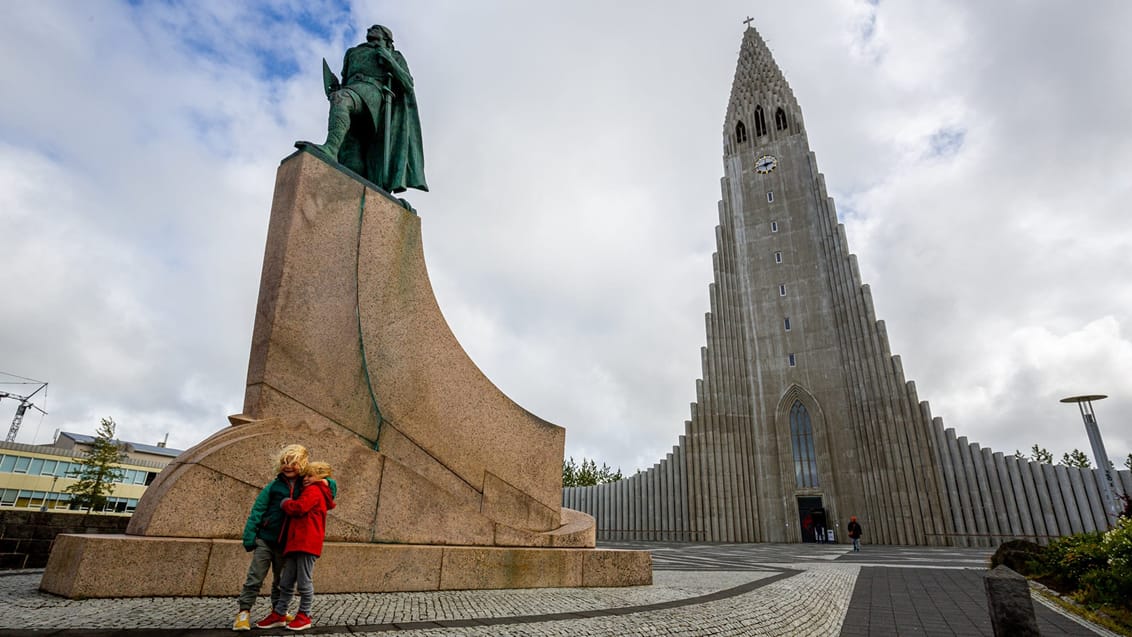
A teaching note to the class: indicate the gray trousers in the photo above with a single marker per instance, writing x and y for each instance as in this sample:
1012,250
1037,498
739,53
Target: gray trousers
263,558
298,571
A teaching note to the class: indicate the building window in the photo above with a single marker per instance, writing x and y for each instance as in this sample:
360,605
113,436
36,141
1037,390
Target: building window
780,119
22,463
786,323
793,361
770,196
760,122
740,132
781,289
774,226
802,439
778,257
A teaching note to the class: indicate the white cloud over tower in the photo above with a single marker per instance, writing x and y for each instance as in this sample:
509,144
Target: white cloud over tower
976,154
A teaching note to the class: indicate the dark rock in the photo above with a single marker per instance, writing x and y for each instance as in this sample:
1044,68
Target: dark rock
1008,599
1017,554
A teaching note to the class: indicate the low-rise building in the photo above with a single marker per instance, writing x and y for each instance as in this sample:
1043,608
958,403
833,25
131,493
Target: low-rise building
36,476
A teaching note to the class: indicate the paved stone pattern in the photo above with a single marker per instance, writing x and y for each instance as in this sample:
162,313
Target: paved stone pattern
699,589
933,602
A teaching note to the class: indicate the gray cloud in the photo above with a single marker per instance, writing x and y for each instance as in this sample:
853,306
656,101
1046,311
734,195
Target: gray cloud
976,153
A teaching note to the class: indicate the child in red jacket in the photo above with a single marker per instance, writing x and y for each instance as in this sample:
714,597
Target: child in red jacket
306,528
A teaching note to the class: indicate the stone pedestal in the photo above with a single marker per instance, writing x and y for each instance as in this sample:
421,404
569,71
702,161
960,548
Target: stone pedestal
440,475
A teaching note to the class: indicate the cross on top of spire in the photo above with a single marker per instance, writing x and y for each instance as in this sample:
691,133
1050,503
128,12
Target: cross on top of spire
748,21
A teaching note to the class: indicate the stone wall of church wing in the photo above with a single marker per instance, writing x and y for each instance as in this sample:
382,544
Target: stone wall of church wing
996,497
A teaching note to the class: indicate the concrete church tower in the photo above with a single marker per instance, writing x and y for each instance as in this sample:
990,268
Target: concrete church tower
803,416
835,426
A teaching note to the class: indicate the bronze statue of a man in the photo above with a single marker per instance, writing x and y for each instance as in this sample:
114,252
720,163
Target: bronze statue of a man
374,128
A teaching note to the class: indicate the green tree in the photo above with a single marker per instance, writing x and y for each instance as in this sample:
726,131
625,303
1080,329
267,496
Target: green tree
1076,458
1128,462
587,474
96,475
1040,454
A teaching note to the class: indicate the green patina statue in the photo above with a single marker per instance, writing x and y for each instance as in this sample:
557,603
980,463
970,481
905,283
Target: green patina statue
374,128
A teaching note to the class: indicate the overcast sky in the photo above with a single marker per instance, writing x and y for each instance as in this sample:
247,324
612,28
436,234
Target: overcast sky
978,153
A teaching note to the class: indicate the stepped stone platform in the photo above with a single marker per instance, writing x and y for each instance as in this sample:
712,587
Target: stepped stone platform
444,482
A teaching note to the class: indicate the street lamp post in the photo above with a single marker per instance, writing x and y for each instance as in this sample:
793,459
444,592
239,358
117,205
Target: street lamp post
50,493
1108,488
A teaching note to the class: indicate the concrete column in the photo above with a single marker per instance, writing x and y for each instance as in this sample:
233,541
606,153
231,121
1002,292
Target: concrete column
946,463
681,511
1045,498
1093,479
1057,503
964,478
696,500
994,481
977,483
1033,506
1020,505
1081,499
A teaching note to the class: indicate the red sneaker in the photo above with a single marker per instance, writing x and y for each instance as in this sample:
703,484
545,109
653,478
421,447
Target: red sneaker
273,620
302,621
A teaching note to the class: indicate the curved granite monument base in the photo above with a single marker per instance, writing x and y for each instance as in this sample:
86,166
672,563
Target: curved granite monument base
444,482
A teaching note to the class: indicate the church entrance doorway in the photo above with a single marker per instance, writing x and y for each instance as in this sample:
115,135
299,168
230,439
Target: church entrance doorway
811,518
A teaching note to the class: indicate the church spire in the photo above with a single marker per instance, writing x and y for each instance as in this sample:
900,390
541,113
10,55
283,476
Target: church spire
762,107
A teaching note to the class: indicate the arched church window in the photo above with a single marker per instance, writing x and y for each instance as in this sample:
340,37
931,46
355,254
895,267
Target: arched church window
760,122
802,440
740,132
780,119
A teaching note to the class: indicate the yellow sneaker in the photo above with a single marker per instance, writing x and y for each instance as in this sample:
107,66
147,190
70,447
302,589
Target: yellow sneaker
243,621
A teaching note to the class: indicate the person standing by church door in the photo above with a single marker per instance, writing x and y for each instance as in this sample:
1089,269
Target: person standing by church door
854,530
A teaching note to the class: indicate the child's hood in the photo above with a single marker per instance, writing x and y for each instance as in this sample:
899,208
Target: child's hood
326,495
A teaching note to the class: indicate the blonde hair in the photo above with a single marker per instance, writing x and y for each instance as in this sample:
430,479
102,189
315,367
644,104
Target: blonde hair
292,454
318,470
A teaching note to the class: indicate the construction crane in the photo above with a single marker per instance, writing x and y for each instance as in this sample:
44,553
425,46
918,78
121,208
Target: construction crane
21,409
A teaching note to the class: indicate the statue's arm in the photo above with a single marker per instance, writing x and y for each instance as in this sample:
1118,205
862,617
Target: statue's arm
398,66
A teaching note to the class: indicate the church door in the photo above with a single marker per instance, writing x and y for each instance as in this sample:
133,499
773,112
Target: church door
811,517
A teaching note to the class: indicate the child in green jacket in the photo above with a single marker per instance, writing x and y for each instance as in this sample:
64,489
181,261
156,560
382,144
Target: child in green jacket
263,534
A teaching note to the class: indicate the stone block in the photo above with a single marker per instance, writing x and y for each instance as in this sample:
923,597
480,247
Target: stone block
489,568
238,462
83,566
104,566
399,447
412,510
504,503
345,568
305,341
1008,599
577,531
603,567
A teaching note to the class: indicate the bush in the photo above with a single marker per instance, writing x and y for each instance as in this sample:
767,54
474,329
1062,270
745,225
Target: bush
1068,559
1094,568
1118,543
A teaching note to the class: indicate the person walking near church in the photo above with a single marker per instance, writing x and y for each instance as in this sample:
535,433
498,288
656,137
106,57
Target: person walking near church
854,530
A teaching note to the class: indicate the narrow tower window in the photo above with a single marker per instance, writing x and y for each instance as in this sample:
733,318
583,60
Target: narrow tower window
802,437
781,289
770,196
786,323
793,361
774,226
778,257
740,132
760,122
780,119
